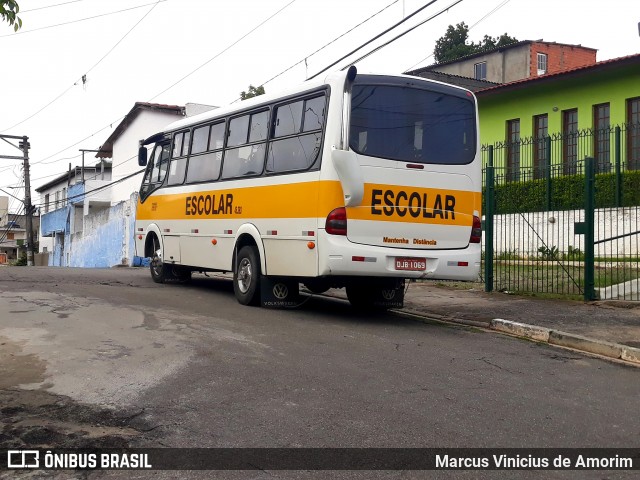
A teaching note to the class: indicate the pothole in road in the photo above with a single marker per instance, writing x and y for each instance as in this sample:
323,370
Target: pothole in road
38,419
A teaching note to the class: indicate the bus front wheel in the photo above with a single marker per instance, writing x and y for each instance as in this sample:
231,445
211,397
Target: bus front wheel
157,267
246,276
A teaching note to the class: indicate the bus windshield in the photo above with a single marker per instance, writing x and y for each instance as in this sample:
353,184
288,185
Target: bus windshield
409,124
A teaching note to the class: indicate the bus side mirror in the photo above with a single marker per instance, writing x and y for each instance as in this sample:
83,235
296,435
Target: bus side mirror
142,156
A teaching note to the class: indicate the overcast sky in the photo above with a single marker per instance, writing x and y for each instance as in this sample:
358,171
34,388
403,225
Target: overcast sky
139,54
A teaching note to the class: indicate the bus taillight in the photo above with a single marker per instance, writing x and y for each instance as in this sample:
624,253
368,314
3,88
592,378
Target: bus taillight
476,230
336,223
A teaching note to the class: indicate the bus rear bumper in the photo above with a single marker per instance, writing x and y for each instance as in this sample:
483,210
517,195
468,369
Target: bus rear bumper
345,258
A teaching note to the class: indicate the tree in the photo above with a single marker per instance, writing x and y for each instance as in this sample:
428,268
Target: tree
253,92
9,13
454,43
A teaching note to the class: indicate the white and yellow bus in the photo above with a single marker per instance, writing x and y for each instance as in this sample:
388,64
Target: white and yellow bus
356,180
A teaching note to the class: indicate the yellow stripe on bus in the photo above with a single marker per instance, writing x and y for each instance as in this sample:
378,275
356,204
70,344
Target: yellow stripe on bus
315,200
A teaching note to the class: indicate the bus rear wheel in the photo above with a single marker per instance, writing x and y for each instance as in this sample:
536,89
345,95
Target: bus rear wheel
246,276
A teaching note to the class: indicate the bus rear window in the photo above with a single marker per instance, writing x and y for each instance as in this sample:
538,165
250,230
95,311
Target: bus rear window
412,125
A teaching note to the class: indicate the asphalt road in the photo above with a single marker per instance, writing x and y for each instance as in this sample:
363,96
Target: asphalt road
108,358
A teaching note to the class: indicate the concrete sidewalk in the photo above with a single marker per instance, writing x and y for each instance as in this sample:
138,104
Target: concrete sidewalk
610,328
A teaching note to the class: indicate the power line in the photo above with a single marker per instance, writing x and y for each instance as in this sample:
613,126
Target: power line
408,31
165,90
374,38
22,32
326,45
83,77
223,51
495,9
49,6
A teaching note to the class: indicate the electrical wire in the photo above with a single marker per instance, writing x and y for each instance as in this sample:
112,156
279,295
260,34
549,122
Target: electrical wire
165,90
326,45
49,6
23,32
408,31
428,4
224,50
487,15
83,77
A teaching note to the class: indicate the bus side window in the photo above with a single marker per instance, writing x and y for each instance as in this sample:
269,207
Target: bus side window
246,159
178,165
290,150
163,162
205,167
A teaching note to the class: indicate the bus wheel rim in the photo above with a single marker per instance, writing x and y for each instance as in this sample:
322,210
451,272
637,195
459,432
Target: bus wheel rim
244,275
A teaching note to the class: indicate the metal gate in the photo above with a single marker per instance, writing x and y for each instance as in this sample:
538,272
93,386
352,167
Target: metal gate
562,225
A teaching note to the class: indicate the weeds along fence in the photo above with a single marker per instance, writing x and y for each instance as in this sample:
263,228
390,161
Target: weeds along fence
561,214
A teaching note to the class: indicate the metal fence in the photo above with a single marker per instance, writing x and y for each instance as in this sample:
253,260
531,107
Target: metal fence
561,214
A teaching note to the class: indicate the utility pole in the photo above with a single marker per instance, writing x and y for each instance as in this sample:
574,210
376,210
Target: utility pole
24,145
28,208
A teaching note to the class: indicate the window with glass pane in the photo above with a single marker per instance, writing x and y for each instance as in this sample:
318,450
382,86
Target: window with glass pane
216,137
176,171
540,134
259,127
200,139
570,141
633,133
412,125
177,144
480,71
204,167
288,119
294,153
601,142
238,130
243,161
314,113
513,150
542,63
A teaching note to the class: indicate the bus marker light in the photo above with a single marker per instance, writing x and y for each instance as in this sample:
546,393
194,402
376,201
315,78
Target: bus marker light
228,232
195,230
139,237
166,230
311,245
308,233
272,232
214,242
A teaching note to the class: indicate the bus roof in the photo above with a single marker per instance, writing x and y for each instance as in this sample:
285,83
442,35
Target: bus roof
266,98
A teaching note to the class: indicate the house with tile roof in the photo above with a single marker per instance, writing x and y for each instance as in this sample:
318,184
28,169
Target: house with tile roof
580,107
516,61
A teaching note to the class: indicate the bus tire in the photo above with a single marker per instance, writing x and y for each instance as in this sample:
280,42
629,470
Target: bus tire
159,273
246,276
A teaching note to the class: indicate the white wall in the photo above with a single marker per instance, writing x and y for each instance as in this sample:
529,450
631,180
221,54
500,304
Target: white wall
125,151
524,234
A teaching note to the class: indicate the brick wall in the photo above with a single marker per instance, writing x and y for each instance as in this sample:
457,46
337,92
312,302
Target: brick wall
560,57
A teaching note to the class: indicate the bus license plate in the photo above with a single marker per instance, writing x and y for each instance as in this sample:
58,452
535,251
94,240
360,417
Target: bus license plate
412,264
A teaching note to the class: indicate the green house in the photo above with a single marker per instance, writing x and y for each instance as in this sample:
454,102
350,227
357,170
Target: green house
558,119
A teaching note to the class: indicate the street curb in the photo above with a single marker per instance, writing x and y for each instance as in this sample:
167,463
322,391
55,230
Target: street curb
549,336
585,344
533,332
568,340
